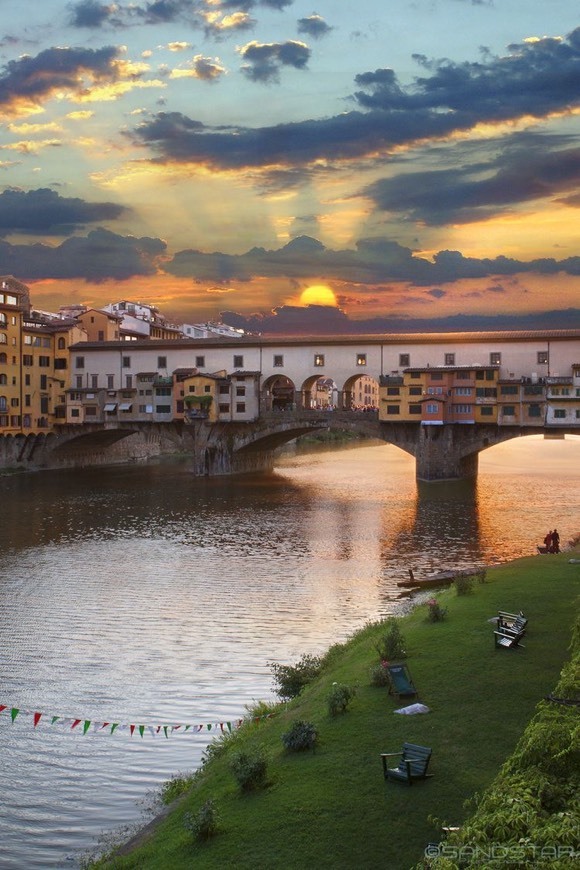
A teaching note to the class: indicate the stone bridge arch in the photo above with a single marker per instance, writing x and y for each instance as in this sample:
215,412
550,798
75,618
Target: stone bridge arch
278,393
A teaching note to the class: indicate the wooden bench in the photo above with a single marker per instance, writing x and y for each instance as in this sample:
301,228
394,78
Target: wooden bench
413,764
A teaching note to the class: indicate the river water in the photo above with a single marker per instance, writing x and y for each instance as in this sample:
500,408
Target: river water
144,595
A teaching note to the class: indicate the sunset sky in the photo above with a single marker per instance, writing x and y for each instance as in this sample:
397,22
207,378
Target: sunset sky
345,166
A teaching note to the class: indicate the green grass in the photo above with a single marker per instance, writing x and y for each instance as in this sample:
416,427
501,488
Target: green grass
331,808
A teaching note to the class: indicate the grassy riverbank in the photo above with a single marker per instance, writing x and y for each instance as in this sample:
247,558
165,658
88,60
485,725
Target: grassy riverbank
331,808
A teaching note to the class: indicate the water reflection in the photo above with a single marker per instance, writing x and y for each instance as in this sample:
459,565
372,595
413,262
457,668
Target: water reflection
146,594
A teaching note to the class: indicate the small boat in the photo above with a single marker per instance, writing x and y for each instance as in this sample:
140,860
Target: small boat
431,581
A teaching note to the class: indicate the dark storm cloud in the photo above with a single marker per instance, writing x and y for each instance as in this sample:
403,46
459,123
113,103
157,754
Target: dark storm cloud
91,14
537,80
477,192
44,211
373,261
32,79
263,61
99,256
314,26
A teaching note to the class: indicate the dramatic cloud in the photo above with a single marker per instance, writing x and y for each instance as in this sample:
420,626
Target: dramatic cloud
264,60
482,190
537,79
205,68
314,26
29,81
91,14
99,256
374,261
45,212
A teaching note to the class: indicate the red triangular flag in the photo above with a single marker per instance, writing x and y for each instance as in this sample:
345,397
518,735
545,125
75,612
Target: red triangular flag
37,717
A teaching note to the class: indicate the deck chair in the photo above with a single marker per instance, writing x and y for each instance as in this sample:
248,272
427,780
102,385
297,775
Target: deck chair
413,763
400,681
511,621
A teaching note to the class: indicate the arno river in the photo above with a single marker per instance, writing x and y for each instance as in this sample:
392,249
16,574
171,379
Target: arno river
145,595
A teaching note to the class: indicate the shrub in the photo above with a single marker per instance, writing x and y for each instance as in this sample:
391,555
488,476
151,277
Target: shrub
302,735
481,575
250,768
203,824
176,786
391,645
435,613
378,675
339,698
291,679
463,584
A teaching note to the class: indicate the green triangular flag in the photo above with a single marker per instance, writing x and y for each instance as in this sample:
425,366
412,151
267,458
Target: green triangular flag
113,726
141,730
86,725
14,713
165,727
54,719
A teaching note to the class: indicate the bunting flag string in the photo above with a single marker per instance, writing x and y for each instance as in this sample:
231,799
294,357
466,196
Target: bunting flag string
73,723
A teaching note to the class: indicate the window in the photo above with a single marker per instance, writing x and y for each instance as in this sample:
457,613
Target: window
278,360
404,360
101,335
361,359
163,391
161,362
240,391
44,361
3,338
44,405
61,344
79,362
318,359
463,409
75,412
163,409
463,391
534,411
238,361
27,359
200,362
393,409
91,411
435,391
495,358
559,413
543,357
436,376
240,407
27,401
224,389
393,391
110,381
128,382
509,410
224,409
414,409
14,403
190,390
207,388
415,391
414,375
79,382
578,415
432,408
463,376
60,363
509,389
449,359
126,362
95,382
26,380
486,411
3,359
43,382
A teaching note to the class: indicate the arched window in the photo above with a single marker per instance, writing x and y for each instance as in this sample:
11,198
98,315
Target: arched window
3,359
3,339
3,404
3,379
61,344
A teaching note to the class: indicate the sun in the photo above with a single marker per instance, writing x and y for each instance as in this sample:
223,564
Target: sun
318,294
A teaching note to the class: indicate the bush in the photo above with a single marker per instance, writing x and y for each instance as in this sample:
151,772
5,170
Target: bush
291,679
203,824
249,769
463,584
339,698
435,613
378,675
176,786
302,735
391,645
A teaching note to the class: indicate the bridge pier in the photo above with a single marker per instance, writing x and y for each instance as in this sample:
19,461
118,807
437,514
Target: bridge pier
440,454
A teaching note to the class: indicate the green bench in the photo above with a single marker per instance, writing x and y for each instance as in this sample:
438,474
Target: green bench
413,763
